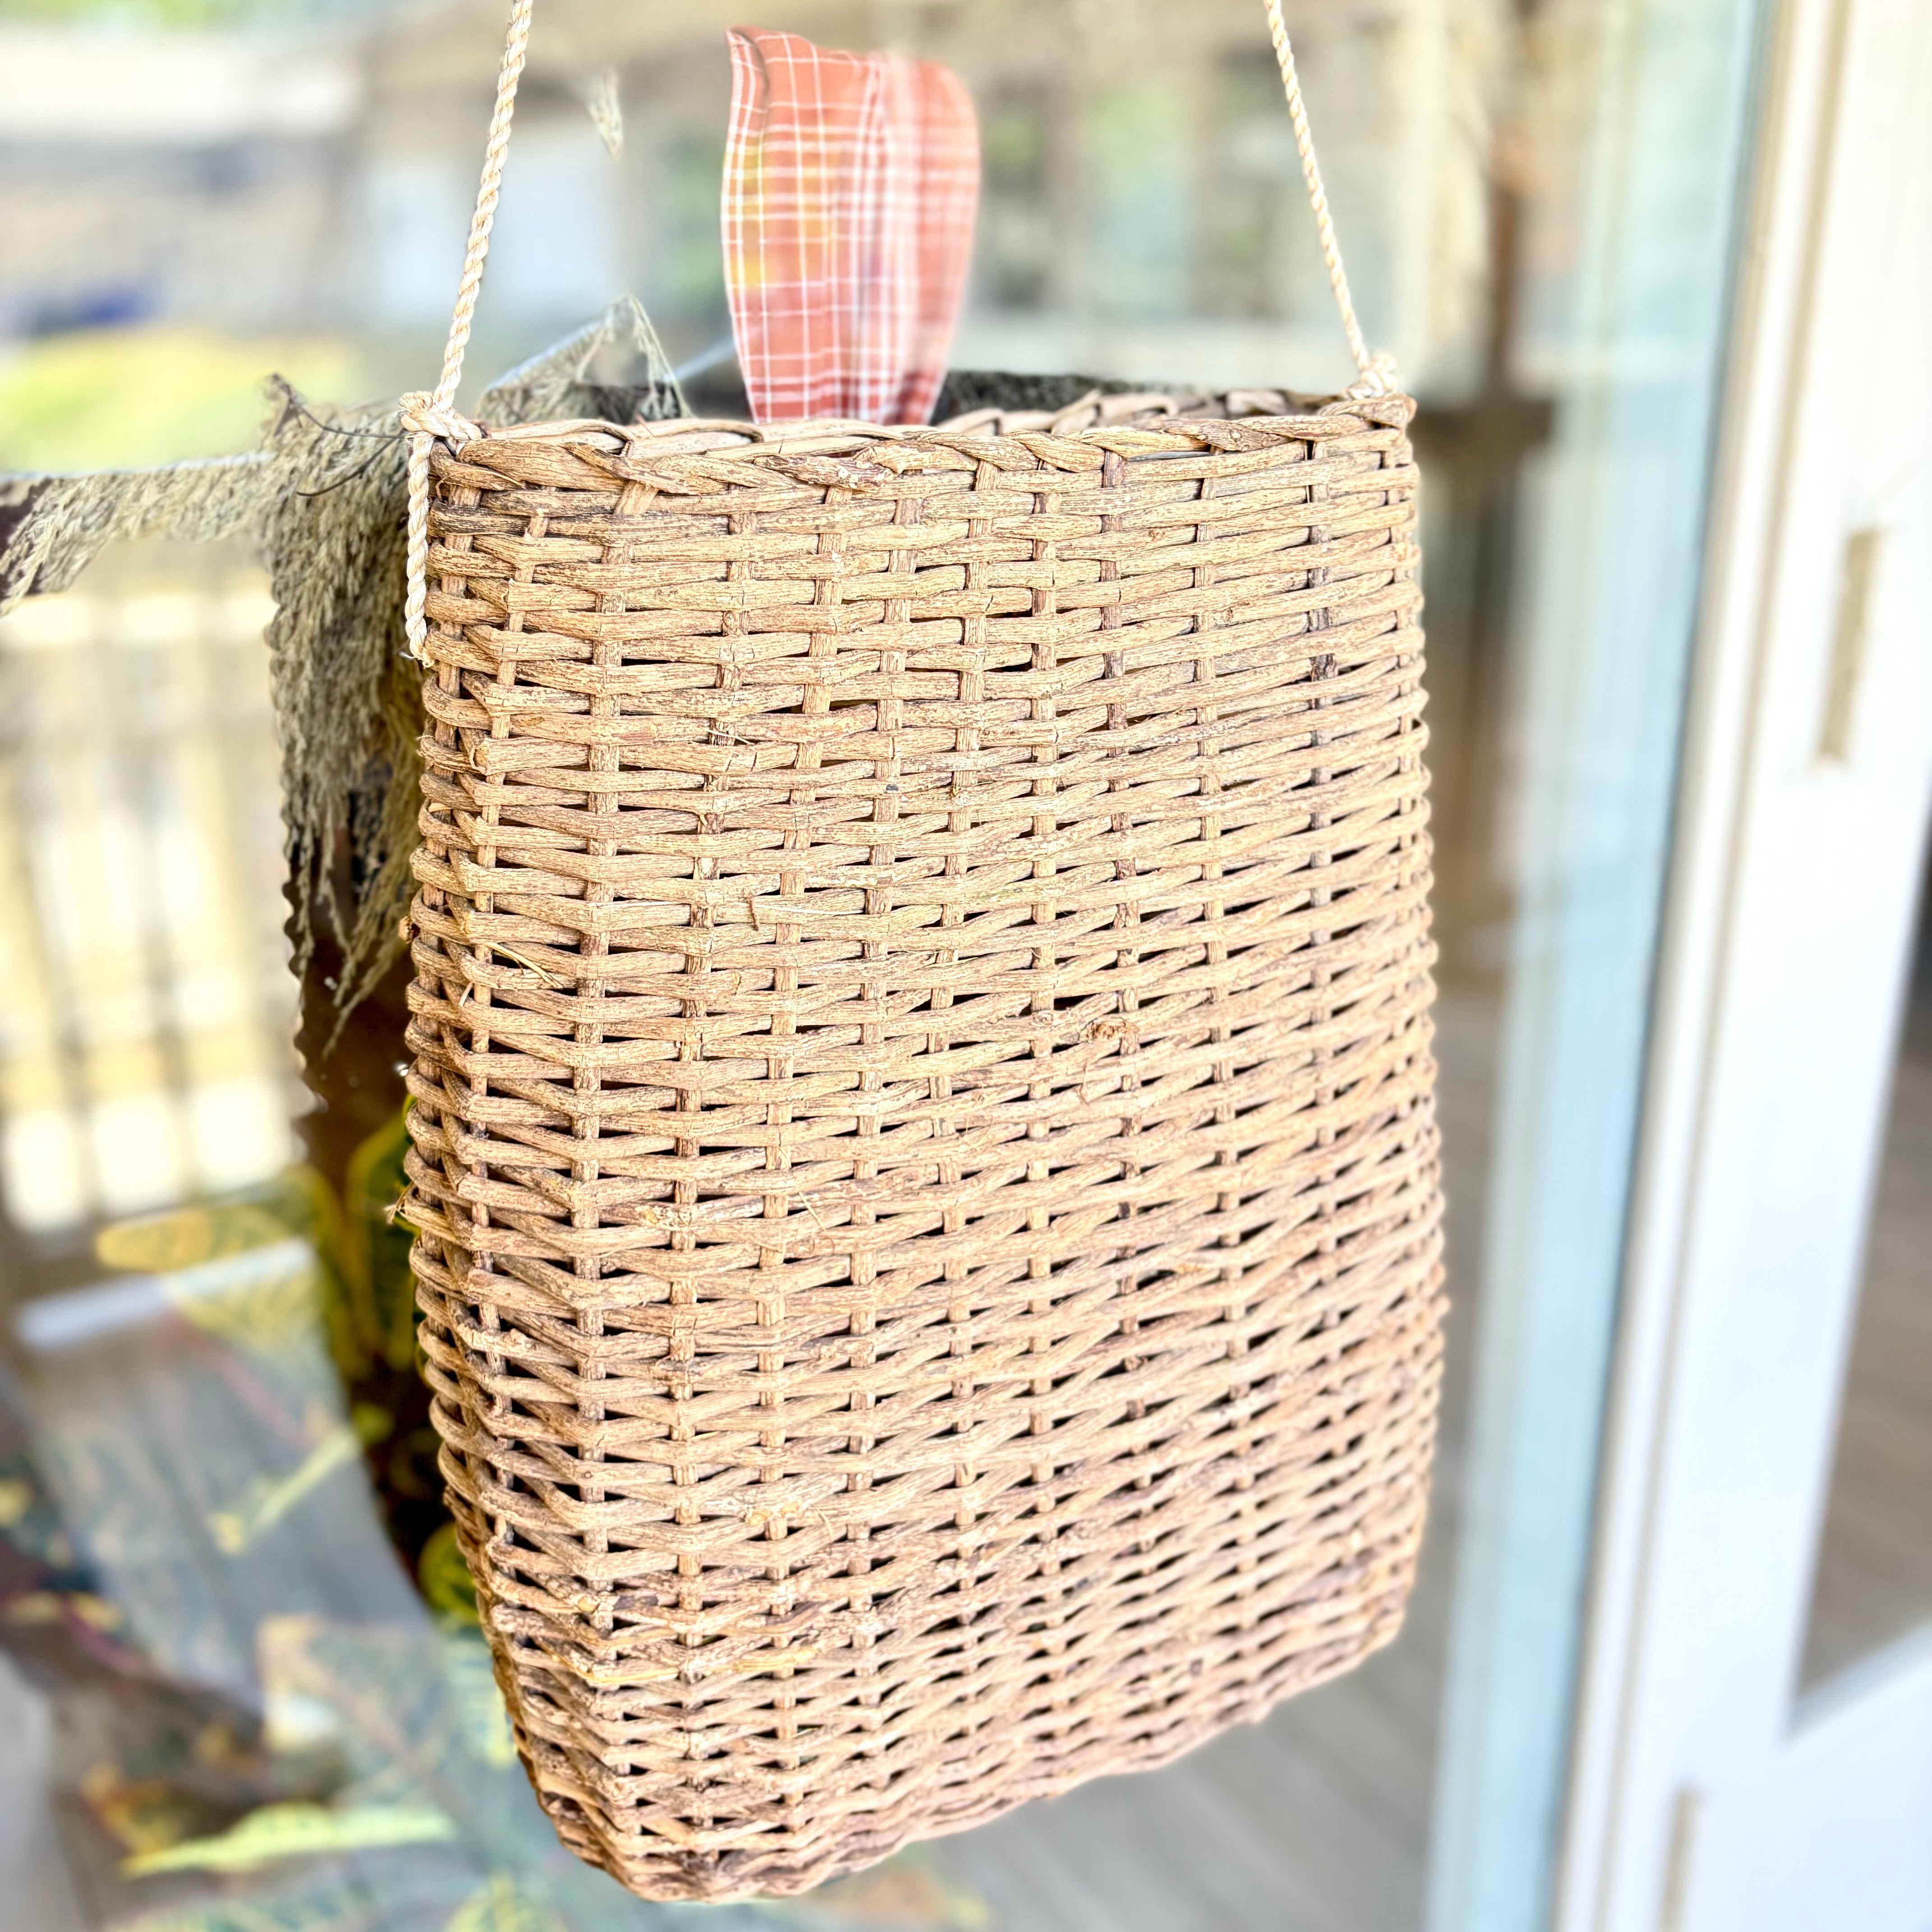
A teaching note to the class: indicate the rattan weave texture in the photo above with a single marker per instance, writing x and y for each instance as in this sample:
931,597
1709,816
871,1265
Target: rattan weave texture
925,1157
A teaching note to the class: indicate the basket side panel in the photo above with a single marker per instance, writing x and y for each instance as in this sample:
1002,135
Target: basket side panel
924,1146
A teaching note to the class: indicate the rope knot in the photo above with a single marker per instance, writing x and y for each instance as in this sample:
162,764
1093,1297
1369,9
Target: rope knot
424,415
1378,377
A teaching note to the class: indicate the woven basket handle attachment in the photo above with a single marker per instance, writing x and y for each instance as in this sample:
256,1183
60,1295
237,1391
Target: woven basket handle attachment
427,416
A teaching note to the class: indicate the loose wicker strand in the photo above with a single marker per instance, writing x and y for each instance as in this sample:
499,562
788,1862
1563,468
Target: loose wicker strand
426,417
1378,369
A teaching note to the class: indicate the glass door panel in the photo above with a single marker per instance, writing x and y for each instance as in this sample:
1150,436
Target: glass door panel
224,1574
1874,1578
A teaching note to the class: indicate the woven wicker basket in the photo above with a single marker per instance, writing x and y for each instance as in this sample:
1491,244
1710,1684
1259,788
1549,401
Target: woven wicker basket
924,1158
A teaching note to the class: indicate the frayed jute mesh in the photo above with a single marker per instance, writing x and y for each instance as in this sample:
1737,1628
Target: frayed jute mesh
325,496
52,527
924,1150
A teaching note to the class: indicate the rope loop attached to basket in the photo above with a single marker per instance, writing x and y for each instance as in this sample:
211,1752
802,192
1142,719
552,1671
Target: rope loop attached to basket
1378,376
427,417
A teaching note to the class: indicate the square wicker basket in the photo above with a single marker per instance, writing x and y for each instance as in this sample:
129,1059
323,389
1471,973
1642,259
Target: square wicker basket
924,1155
926,1165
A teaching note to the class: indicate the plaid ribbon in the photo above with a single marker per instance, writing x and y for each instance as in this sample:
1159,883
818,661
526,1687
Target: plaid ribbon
850,184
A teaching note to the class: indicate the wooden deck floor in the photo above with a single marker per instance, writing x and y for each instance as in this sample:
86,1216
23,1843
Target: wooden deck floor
1318,1820
1874,1582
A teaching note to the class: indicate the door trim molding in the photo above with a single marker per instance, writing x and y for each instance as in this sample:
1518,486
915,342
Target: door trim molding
1795,339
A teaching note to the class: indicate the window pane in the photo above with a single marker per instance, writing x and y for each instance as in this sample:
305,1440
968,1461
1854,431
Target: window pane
1874,1578
216,1478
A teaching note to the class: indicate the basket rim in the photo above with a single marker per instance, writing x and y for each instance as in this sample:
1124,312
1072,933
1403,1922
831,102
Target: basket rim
1167,418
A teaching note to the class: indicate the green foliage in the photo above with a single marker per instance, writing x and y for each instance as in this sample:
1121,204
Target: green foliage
118,398
178,14
444,1578
296,1202
380,1238
273,1832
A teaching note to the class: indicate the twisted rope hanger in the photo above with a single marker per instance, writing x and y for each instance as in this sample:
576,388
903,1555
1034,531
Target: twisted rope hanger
427,416
1378,369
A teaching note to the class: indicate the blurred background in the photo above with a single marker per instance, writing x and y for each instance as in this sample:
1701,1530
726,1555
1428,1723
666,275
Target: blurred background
230,1699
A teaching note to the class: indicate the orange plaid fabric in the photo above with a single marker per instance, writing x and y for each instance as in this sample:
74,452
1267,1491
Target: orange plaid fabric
850,184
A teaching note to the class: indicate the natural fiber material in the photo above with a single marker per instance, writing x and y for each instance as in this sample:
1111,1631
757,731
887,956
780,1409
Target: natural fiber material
348,698
52,527
924,1150
326,497
924,1162
1377,371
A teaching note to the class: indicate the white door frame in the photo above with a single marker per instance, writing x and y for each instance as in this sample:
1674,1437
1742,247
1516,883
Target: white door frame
1704,1799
